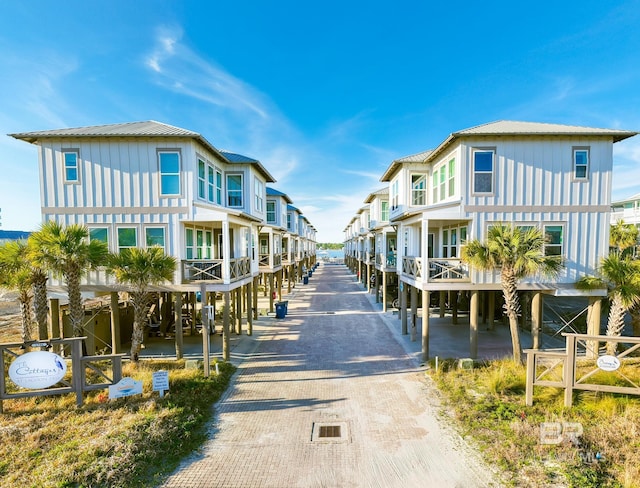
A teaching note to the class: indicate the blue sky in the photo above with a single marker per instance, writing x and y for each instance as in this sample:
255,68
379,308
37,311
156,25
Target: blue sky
324,94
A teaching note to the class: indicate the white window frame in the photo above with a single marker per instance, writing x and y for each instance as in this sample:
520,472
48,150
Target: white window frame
100,227
66,168
562,238
258,188
202,179
271,213
418,189
164,236
451,181
585,165
240,191
162,175
127,227
395,194
492,172
384,212
218,185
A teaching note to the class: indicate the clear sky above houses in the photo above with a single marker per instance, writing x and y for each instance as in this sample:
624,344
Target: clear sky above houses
324,94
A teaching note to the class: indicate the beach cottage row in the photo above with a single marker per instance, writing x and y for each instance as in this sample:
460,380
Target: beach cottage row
145,184
406,240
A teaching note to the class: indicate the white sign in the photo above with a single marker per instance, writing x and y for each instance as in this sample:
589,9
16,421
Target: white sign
124,388
38,369
608,363
161,381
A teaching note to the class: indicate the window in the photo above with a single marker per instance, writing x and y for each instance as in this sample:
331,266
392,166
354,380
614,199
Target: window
452,177
483,171
553,240
289,221
258,188
581,163
384,211
418,189
434,184
218,187
99,234
234,190
154,236
189,243
202,183
127,238
394,194
445,243
211,187
71,166
271,212
443,179
169,172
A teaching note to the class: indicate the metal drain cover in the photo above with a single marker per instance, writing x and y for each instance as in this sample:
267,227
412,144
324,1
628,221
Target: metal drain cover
329,432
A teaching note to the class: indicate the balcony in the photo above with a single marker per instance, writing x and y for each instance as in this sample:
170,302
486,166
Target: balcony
265,259
211,270
388,261
440,269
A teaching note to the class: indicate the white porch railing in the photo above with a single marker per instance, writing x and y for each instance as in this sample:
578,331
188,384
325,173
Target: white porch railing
212,269
440,269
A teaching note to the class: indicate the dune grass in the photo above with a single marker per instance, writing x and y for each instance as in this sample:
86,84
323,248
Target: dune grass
488,404
129,442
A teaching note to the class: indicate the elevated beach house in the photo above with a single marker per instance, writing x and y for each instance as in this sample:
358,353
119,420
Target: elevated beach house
151,184
554,177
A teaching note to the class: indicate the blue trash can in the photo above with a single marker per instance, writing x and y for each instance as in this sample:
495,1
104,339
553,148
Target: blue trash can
286,306
280,310
305,280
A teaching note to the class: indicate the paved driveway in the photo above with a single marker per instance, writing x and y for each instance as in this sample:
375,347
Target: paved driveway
330,399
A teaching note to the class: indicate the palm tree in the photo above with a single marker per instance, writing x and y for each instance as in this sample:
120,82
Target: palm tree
141,268
15,274
623,236
518,253
621,276
68,253
39,279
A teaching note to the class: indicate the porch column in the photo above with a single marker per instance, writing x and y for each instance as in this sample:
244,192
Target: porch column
441,300
491,313
593,325
178,324
368,277
255,298
425,326
536,319
226,252
115,321
473,323
280,279
225,326
238,310
250,308
205,331
271,291
403,307
414,313
384,291
454,306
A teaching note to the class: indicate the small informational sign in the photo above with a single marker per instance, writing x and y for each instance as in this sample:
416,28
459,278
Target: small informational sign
608,363
124,388
37,370
161,381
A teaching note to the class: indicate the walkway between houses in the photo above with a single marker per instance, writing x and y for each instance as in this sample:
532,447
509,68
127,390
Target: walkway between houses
327,397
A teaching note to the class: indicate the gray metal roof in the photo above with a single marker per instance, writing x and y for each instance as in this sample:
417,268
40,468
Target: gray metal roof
149,128
380,192
511,127
276,193
128,129
413,158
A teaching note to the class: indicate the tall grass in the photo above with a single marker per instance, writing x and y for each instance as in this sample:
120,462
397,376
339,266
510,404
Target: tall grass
488,403
129,442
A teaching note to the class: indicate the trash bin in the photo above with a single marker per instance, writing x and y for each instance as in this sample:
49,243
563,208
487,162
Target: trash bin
286,306
305,280
280,310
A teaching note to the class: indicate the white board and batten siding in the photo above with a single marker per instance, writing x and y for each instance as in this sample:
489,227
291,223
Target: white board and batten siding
534,182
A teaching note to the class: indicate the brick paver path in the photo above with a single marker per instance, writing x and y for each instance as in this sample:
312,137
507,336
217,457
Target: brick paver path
332,362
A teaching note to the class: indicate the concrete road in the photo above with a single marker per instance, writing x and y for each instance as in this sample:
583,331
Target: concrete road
329,398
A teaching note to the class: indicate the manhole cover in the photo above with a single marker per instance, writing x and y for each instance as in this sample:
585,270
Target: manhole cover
329,432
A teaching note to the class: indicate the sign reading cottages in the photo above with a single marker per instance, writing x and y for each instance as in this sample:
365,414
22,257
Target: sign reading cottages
37,370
